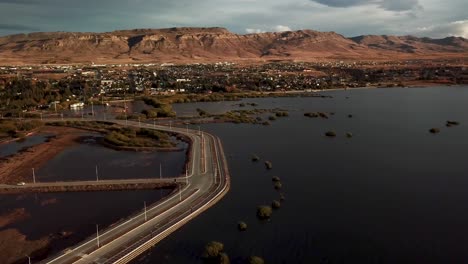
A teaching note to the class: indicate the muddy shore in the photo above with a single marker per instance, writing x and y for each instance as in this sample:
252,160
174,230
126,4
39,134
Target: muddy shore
18,167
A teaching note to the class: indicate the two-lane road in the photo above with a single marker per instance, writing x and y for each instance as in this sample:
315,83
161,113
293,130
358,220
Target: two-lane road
206,184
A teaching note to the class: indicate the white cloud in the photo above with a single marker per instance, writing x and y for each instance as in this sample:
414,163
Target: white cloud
281,28
254,30
391,5
456,28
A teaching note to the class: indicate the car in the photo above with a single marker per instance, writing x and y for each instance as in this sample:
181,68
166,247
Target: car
21,183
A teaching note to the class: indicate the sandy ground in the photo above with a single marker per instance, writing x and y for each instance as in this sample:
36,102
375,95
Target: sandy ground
14,216
14,247
18,167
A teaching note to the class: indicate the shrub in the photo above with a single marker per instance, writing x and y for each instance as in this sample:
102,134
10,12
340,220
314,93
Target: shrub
272,118
282,197
323,115
330,134
278,185
282,114
242,226
434,130
264,212
202,112
255,158
213,249
256,260
452,123
276,204
349,135
311,115
276,179
268,165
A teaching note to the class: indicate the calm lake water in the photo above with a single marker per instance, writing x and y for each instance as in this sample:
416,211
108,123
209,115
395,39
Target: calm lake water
394,193
79,213
79,163
14,147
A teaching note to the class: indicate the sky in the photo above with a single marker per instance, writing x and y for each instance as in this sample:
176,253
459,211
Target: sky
431,18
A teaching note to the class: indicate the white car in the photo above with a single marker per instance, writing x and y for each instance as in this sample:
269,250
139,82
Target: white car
21,184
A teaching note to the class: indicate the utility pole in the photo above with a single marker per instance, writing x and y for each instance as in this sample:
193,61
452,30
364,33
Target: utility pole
97,235
97,174
146,218
29,259
41,116
160,171
34,176
92,109
186,175
125,109
61,116
199,131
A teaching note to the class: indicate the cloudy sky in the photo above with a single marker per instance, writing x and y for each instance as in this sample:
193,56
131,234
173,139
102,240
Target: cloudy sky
433,18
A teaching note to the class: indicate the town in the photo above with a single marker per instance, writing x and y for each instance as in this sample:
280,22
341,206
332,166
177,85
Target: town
25,88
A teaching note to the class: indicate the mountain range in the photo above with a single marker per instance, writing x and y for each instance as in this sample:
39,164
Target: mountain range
184,45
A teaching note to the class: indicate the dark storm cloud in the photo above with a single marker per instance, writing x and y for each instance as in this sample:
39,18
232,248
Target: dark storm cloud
348,17
391,5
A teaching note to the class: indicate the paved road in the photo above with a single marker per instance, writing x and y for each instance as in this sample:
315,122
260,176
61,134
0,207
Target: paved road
206,182
89,183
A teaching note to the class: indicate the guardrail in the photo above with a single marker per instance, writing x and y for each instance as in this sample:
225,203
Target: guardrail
203,204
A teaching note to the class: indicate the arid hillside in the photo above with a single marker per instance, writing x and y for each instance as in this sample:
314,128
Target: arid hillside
217,44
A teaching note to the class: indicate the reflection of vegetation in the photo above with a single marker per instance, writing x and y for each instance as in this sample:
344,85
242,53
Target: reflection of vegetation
264,212
312,115
255,158
282,114
323,115
17,129
256,260
452,123
282,197
242,226
202,112
278,185
330,134
434,130
213,253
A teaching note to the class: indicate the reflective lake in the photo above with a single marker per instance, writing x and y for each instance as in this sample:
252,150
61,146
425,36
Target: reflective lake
79,163
14,147
394,193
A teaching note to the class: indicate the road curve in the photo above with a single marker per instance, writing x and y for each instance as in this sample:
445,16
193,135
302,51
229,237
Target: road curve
207,182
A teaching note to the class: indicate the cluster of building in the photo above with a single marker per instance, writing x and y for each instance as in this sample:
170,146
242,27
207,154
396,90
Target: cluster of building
171,78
